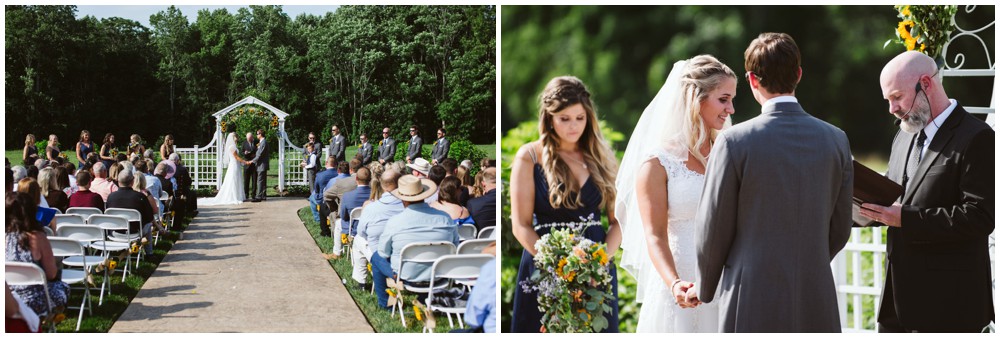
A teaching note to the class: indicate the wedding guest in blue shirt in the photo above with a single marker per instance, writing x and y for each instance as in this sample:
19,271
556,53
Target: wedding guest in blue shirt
320,209
372,223
416,224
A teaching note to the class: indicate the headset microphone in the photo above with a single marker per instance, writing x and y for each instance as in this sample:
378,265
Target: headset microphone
916,90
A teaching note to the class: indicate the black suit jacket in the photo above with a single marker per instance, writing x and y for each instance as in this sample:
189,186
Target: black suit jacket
939,264
130,199
483,209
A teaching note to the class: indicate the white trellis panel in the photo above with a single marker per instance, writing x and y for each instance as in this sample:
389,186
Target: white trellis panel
859,269
202,163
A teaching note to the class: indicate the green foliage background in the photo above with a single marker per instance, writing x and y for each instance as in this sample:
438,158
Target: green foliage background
363,67
624,53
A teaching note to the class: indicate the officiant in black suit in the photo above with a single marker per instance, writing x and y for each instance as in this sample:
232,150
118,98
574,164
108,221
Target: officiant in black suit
261,161
938,275
248,150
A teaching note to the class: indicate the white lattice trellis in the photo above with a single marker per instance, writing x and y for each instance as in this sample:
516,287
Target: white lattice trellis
205,165
858,269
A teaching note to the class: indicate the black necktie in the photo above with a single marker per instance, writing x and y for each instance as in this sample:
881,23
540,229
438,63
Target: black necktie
916,154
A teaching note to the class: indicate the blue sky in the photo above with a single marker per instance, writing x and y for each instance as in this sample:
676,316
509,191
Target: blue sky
142,13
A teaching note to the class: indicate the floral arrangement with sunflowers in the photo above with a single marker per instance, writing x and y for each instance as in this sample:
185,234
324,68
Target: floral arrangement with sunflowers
573,283
924,28
249,118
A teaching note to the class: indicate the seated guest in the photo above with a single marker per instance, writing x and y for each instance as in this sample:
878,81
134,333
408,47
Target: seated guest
377,169
116,168
26,242
101,185
337,187
18,172
140,185
417,223
322,210
354,199
50,190
448,193
127,198
419,168
487,163
462,174
152,183
84,198
186,200
374,216
484,208
481,310
160,173
436,174
67,178
451,167
44,215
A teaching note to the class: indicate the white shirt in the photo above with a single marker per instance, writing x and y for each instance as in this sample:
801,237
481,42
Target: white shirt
778,99
932,128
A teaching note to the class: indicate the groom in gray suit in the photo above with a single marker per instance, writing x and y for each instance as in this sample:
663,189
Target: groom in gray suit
261,160
776,207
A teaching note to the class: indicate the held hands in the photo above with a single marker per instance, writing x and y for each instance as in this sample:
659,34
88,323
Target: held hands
886,215
685,295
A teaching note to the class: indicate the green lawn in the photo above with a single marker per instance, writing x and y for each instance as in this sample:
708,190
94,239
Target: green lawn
379,318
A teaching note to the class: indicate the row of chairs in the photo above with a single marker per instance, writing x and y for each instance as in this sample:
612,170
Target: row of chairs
449,266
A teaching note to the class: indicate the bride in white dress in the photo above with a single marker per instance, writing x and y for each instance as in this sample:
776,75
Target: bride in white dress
231,191
659,186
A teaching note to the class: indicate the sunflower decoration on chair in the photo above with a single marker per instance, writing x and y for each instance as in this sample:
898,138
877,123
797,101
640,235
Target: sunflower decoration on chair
925,29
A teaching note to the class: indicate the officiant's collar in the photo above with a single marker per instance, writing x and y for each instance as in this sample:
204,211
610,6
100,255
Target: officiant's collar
769,104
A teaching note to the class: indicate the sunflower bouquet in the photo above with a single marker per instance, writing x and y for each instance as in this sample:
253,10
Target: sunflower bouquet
924,28
573,283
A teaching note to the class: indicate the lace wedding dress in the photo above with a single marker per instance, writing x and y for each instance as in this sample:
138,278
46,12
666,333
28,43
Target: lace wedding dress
231,190
658,312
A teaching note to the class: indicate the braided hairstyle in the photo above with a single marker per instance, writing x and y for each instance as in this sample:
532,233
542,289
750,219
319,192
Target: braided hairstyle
564,191
702,75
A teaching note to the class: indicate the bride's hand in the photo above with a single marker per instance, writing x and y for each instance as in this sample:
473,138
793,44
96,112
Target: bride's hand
692,296
680,291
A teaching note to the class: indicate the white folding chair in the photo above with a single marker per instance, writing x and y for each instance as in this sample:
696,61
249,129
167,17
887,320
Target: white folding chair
111,224
466,232
68,247
70,219
354,215
48,232
58,212
85,234
167,218
419,253
133,216
451,268
474,246
486,232
20,273
84,212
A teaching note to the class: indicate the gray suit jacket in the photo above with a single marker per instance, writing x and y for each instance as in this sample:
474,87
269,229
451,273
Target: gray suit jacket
414,150
365,153
387,150
440,151
263,155
337,146
775,210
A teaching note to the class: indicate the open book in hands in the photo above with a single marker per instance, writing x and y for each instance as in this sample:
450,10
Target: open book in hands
871,187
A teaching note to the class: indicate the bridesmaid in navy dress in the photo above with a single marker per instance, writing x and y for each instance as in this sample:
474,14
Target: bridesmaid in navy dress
84,147
567,176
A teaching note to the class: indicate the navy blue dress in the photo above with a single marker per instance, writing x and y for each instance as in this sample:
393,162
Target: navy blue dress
526,317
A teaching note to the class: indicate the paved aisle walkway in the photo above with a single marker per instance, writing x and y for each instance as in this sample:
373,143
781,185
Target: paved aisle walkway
246,268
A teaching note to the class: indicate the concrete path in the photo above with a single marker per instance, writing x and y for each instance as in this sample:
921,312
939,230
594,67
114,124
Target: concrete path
246,268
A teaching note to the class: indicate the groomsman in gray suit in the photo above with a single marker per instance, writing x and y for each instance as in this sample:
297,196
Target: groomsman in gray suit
415,145
386,147
365,150
337,144
261,159
441,147
776,207
938,256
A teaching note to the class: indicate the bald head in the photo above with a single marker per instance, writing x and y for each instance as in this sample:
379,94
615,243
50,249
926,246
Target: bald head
908,67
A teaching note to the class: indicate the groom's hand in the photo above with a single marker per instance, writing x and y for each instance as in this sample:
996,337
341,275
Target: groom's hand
680,293
886,215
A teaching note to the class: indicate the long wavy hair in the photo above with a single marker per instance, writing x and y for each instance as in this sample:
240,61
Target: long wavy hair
20,217
564,190
703,74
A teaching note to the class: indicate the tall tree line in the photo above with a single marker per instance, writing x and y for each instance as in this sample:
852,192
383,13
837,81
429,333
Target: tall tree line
361,67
